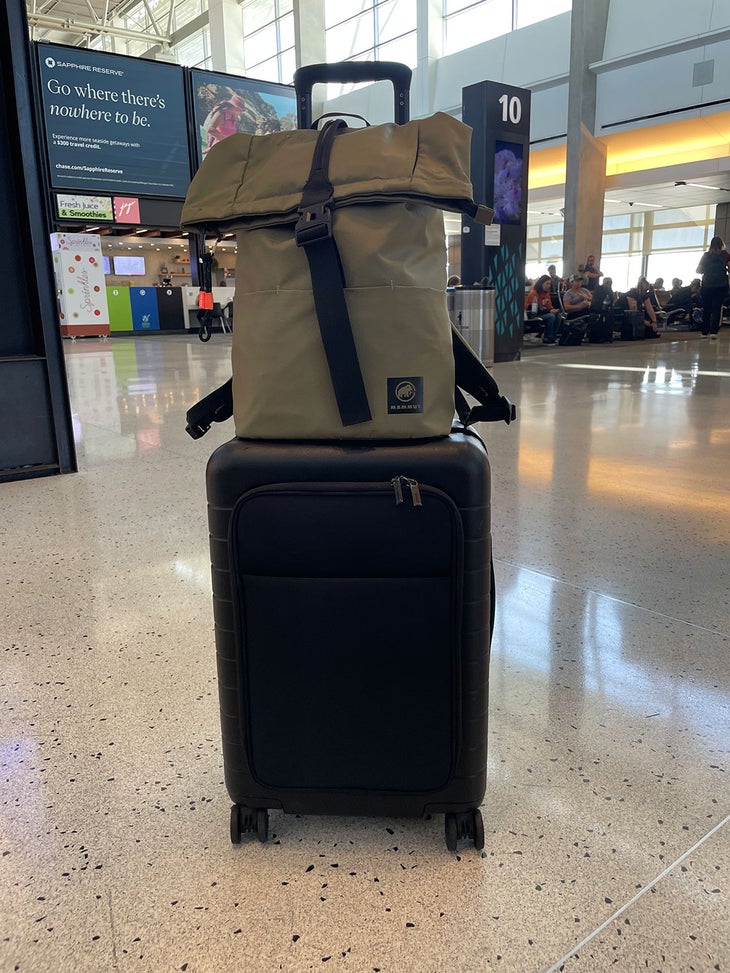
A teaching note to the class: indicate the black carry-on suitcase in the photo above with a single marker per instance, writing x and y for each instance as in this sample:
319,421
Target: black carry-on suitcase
353,602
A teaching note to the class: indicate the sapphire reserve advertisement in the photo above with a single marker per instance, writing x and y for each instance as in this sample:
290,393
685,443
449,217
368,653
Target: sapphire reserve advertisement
113,123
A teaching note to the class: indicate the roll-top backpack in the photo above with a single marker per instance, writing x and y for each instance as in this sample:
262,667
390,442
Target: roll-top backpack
341,324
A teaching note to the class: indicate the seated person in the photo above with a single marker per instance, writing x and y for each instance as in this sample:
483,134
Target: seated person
676,287
604,303
683,300
577,299
603,296
538,300
642,294
622,302
660,293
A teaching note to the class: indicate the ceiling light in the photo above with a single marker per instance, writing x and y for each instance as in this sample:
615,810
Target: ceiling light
634,202
699,185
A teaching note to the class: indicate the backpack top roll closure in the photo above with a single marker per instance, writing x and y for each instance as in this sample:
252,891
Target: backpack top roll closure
252,181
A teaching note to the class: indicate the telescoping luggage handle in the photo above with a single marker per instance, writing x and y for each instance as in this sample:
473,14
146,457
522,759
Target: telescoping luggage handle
353,72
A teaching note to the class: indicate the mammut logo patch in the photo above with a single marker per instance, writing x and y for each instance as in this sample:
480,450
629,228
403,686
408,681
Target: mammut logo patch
405,395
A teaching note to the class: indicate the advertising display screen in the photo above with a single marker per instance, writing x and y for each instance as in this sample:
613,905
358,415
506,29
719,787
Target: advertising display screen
508,158
113,123
129,266
225,104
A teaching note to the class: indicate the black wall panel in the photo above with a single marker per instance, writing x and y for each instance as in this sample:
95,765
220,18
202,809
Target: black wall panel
35,417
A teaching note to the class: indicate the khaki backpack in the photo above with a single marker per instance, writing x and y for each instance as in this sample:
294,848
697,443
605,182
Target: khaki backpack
341,329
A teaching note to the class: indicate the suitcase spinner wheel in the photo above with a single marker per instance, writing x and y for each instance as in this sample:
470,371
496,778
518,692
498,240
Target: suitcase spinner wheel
246,820
466,826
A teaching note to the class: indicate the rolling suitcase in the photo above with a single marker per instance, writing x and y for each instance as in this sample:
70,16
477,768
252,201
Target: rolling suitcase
353,604
632,326
600,328
572,332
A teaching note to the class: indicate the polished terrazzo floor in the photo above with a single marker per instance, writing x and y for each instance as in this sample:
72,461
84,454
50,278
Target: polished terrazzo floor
606,812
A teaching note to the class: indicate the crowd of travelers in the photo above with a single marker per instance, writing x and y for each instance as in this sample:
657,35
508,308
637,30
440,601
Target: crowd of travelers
565,311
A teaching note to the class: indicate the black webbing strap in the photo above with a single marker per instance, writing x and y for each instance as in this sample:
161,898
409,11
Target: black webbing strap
215,407
473,377
313,232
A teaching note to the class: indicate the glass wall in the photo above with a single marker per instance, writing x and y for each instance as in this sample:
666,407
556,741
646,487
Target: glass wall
184,11
359,30
679,238
194,51
544,247
268,39
467,23
657,243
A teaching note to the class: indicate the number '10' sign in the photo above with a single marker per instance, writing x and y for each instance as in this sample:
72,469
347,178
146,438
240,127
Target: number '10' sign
511,109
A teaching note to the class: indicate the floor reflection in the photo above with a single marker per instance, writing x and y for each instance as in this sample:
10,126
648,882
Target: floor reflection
137,388
607,715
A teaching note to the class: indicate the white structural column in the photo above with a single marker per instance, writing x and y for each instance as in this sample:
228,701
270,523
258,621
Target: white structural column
430,40
585,176
226,36
309,35
311,45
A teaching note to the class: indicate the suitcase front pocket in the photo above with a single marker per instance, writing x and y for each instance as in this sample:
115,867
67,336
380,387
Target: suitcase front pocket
347,632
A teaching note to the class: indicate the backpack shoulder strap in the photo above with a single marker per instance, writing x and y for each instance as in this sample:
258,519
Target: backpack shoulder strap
472,376
217,406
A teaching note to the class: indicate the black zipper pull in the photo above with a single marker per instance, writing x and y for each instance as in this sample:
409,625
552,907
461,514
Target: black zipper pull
397,484
397,489
415,491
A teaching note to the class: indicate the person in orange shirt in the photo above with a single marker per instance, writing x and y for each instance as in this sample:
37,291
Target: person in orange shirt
538,301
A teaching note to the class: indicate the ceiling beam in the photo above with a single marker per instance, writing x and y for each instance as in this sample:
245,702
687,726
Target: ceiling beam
95,30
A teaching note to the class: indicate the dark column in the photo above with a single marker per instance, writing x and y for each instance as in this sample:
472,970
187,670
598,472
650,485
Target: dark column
499,115
36,437
722,222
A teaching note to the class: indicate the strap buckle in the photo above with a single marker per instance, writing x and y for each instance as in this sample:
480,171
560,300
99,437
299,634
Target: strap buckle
217,406
314,223
509,410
